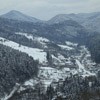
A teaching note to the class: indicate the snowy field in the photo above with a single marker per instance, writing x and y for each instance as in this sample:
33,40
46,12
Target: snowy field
29,36
37,54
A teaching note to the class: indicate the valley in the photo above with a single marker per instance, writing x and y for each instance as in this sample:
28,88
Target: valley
48,60
77,62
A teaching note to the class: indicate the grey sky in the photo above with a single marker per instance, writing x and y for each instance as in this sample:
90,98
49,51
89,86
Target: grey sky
45,9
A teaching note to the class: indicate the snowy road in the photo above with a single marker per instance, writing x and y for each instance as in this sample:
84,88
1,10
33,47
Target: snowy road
82,69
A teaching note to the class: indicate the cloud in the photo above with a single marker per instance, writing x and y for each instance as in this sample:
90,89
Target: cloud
45,9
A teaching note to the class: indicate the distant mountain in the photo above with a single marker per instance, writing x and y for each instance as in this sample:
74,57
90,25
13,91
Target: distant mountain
16,15
63,17
59,18
59,32
90,21
93,22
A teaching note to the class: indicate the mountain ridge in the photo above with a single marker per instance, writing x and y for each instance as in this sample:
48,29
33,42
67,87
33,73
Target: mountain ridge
90,21
16,15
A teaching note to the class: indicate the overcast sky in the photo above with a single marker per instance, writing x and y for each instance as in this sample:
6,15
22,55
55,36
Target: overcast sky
45,9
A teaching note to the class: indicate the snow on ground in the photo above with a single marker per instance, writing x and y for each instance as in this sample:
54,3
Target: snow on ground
29,36
60,60
82,69
65,47
48,74
31,82
7,97
56,59
61,57
71,44
86,60
37,54
25,34
41,39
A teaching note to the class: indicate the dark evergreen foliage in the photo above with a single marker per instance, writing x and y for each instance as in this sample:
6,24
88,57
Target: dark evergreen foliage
15,67
76,88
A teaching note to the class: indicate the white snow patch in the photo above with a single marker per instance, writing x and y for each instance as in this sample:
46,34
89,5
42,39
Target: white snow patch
13,91
56,59
61,57
25,34
65,47
83,70
71,44
37,54
31,82
29,36
41,39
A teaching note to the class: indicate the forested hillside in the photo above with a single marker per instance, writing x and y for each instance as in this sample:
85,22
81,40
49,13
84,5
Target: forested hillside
60,32
93,45
15,67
